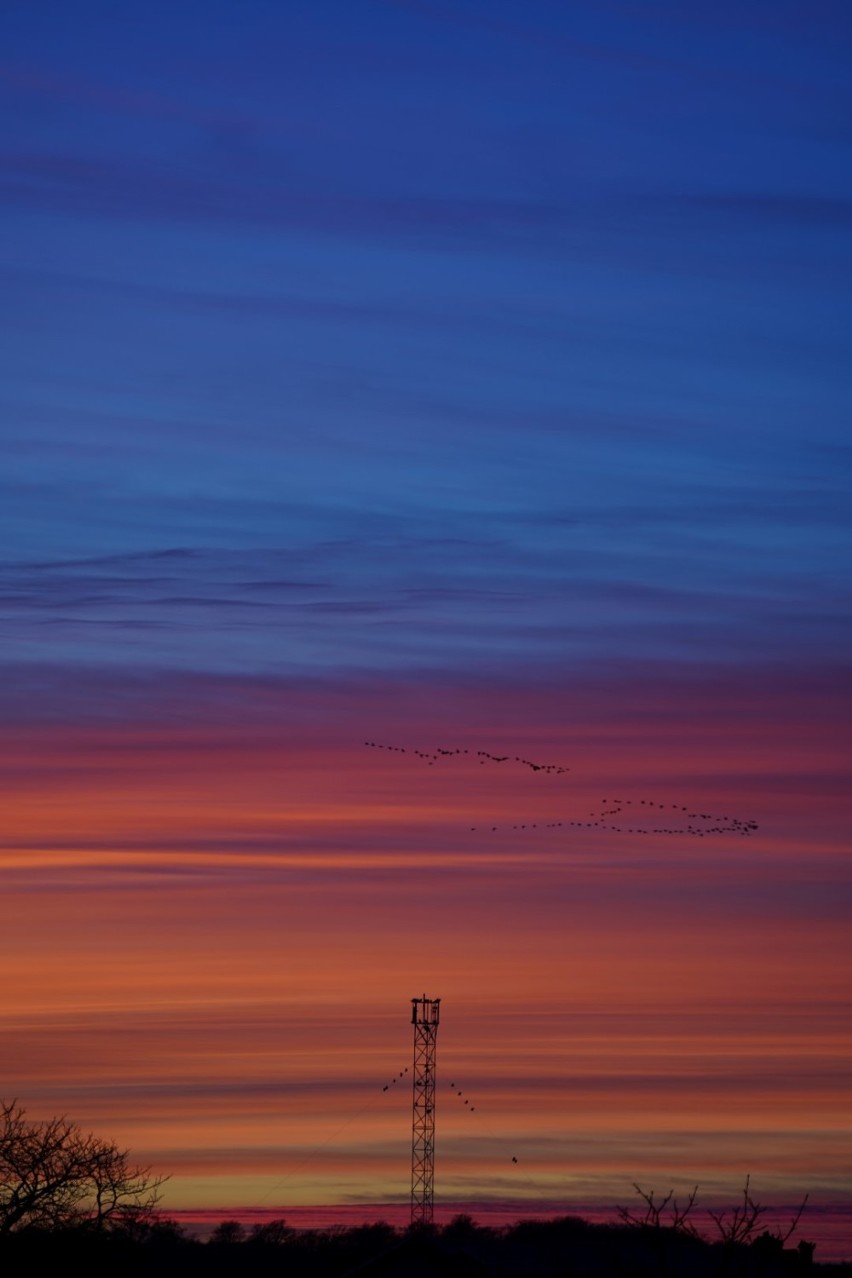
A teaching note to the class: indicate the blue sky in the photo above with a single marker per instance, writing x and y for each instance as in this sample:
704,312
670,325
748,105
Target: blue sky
412,334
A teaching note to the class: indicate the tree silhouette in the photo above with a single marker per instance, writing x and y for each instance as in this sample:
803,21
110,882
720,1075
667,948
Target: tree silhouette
228,1232
737,1225
740,1223
665,1213
53,1175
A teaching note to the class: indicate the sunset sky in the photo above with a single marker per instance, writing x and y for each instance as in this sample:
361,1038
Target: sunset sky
470,375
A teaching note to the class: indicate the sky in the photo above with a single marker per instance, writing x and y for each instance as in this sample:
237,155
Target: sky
466,377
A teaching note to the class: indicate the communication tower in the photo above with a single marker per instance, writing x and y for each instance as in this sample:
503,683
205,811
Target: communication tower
424,1017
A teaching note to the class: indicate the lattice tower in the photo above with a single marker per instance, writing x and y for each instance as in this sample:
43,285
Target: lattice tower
424,1017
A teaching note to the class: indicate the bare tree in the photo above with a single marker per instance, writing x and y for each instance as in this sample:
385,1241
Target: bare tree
736,1225
53,1175
739,1225
784,1235
667,1213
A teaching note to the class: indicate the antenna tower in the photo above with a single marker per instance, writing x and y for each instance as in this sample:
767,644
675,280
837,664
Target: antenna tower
424,1018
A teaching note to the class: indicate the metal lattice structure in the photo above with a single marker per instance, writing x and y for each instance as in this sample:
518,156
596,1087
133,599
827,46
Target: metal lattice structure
424,1017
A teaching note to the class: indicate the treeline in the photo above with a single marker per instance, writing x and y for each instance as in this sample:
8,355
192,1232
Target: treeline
564,1248
72,1200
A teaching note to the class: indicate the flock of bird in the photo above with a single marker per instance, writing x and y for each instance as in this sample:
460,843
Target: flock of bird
402,1073
613,815
457,1091
387,1087
700,824
462,1096
482,756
